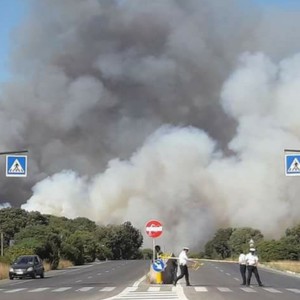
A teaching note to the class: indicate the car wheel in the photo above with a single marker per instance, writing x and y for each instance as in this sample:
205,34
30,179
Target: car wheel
11,277
42,275
33,275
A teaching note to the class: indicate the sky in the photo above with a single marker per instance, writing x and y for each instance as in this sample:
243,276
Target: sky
11,14
170,110
15,11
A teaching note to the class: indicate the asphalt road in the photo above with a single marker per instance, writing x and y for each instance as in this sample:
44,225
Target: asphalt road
119,280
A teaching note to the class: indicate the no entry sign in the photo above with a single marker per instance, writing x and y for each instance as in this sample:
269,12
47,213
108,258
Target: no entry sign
154,228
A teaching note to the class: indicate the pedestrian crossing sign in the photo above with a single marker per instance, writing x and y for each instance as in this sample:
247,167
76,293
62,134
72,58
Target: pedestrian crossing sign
292,165
16,166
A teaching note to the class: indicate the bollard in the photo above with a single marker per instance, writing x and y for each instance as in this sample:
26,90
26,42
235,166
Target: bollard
159,277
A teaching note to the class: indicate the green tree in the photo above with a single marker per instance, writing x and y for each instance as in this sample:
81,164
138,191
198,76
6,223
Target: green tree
240,237
46,240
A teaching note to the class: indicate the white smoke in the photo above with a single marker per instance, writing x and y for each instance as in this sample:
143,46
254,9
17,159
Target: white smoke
174,110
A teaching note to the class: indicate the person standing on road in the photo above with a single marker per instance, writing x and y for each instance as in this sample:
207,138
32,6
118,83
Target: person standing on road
242,262
252,262
184,271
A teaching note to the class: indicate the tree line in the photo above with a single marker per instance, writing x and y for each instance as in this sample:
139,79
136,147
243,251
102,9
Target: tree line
230,242
79,240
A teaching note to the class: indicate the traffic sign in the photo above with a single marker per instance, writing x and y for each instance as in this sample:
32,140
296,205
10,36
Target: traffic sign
292,165
154,228
16,165
158,265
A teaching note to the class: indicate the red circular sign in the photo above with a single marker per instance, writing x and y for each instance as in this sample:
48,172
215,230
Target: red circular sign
154,228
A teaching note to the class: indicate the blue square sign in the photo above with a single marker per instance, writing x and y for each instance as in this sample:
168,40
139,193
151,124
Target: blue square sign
16,165
292,165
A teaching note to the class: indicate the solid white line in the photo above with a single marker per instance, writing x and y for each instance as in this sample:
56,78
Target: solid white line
139,281
180,293
154,289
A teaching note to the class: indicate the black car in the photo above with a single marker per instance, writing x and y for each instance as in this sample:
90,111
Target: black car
27,265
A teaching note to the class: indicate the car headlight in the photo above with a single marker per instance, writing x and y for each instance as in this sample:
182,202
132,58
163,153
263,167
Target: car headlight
11,270
30,269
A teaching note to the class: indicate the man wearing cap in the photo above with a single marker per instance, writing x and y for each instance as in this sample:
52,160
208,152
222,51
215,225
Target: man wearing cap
252,262
184,272
242,263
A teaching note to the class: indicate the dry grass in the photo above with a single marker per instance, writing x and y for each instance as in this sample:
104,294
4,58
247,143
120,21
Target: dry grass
285,265
63,264
4,269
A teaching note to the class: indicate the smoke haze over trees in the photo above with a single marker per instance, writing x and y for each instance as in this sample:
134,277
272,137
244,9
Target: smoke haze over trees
175,110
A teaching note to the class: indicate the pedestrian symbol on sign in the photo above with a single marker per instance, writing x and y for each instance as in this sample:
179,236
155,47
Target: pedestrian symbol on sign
16,166
294,166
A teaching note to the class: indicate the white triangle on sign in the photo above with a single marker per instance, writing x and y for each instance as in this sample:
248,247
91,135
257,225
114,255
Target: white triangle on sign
16,168
295,166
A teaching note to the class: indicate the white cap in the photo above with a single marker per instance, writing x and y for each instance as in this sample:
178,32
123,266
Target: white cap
252,249
186,248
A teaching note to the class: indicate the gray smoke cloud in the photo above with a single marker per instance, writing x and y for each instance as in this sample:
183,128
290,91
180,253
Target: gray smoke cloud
174,110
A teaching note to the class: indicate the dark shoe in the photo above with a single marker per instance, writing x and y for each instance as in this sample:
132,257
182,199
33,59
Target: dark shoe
188,285
261,284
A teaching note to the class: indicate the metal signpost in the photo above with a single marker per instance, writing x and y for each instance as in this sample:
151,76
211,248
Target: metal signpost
16,166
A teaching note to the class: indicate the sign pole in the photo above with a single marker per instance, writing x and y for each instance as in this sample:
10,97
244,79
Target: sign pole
153,249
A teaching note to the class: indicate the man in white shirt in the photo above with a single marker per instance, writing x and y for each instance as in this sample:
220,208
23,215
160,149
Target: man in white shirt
252,262
242,262
183,259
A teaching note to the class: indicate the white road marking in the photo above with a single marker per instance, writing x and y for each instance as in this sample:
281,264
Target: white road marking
107,289
201,289
15,290
224,289
154,289
62,289
39,290
271,290
248,290
85,289
294,291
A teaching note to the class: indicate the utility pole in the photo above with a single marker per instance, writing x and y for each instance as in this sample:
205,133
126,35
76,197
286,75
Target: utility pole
1,243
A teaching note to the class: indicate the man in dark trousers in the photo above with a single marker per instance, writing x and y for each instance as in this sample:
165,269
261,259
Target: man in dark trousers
242,263
184,271
252,262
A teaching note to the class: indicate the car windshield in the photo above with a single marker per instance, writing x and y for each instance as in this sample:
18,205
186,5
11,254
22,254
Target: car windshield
24,260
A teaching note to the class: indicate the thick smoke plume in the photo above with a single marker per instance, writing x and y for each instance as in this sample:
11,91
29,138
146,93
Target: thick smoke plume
174,110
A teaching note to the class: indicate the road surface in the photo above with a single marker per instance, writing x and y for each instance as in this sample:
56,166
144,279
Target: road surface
119,280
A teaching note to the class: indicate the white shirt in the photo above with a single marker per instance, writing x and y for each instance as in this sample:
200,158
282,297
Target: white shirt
183,259
242,259
251,259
